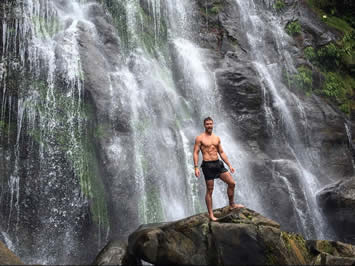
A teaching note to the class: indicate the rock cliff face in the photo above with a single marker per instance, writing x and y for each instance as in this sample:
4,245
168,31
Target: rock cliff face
338,203
239,237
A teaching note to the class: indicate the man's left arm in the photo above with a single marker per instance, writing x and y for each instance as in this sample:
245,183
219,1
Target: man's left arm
224,155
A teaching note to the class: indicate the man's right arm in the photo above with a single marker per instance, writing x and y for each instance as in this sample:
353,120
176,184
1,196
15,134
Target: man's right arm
195,155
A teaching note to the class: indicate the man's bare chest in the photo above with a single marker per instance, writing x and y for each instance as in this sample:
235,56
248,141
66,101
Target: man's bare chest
209,143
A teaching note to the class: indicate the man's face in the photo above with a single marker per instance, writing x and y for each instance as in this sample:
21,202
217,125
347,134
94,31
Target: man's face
209,126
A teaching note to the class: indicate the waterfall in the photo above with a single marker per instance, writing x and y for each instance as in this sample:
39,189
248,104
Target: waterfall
98,137
167,115
261,24
50,133
349,135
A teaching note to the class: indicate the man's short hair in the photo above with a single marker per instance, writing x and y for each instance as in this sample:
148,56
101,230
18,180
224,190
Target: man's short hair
207,119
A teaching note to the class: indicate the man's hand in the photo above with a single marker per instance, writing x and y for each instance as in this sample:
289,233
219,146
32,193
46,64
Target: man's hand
231,169
197,172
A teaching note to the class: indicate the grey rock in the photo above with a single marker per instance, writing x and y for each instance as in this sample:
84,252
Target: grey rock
238,237
115,253
338,203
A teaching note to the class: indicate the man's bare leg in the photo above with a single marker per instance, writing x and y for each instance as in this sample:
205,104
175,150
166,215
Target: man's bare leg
208,198
227,178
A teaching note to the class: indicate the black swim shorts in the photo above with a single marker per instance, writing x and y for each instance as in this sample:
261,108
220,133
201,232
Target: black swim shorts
213,169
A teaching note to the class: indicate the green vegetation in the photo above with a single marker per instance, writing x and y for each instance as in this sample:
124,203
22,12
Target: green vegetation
150,209
293,28
336,13
340,88
335,60
71,136
309,53
279,5
46,27
153,34
329,56
326,247
6,129
303,79
212,10
119,19
296,246
216,8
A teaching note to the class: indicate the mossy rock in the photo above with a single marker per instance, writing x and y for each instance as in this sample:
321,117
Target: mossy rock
7,257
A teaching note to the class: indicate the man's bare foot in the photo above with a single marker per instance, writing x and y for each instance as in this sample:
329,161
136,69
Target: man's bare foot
235,206
212,218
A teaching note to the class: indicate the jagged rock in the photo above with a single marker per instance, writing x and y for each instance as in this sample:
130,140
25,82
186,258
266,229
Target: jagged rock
7,257
338,203
239,237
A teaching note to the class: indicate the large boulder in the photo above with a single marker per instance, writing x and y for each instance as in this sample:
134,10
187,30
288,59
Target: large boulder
338,203
115,253
7,257
238,237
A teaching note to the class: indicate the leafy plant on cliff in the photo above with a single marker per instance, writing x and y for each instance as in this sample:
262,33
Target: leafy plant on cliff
279,5
303,79
333,85
310,53
329,56
340,88
336,59
216,8
293,28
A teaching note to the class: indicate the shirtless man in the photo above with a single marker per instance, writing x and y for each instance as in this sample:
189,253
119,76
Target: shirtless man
212,167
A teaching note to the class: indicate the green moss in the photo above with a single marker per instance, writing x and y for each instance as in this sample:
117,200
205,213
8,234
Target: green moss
338,23
150,209
326,247
73,140
152,41
296,247
293,28
205,229
119,16
46,26
6,128
271,257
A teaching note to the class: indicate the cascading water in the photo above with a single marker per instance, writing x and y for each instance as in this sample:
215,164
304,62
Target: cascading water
167,117
261,25
120,142
50,144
